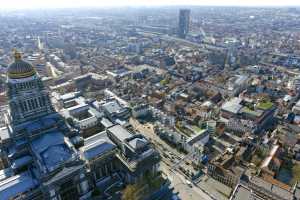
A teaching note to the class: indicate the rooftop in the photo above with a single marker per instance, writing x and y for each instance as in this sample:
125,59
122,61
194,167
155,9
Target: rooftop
273,189
112,107
233,105
255,113
6,173
51,149
15,185
265,105
21,162
69,96
97,145
138,142
120,132
242,192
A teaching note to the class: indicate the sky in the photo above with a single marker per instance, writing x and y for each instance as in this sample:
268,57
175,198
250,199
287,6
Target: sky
34,4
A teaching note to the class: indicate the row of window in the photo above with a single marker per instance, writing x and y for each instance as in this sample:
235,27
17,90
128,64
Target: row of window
25,85
32,104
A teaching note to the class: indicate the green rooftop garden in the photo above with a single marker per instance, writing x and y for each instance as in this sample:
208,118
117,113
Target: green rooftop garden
265,105
251,112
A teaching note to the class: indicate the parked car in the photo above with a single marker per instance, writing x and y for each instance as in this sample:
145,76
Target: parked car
189,183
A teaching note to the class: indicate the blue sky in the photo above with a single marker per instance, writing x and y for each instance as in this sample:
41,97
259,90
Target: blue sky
21,4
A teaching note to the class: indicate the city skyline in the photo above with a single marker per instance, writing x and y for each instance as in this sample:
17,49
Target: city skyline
152,100
35,4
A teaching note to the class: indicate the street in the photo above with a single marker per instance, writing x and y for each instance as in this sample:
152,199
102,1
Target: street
178,181
148,132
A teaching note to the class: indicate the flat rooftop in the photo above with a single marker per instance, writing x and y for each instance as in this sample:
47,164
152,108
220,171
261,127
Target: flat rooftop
112,107
96,145
120,132
233,105
244,193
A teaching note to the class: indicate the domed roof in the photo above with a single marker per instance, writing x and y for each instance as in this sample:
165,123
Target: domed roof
20,68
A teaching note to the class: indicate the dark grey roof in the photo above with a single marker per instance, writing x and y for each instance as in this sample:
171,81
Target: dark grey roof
112,107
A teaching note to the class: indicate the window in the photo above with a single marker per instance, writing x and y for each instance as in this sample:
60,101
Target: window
98,173
29,104
40,101
103,171
43,101
36,103
22,108
25,106
32,103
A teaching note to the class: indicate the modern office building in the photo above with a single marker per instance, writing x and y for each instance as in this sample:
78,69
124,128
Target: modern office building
184,22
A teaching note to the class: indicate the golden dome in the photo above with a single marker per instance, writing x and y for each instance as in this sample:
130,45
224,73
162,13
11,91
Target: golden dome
20,68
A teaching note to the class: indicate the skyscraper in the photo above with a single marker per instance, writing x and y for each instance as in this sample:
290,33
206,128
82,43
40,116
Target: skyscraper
184,22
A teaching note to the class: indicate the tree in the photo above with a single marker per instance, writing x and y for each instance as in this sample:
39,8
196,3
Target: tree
130,192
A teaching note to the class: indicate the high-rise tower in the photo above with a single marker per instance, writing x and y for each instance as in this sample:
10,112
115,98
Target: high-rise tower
184,22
